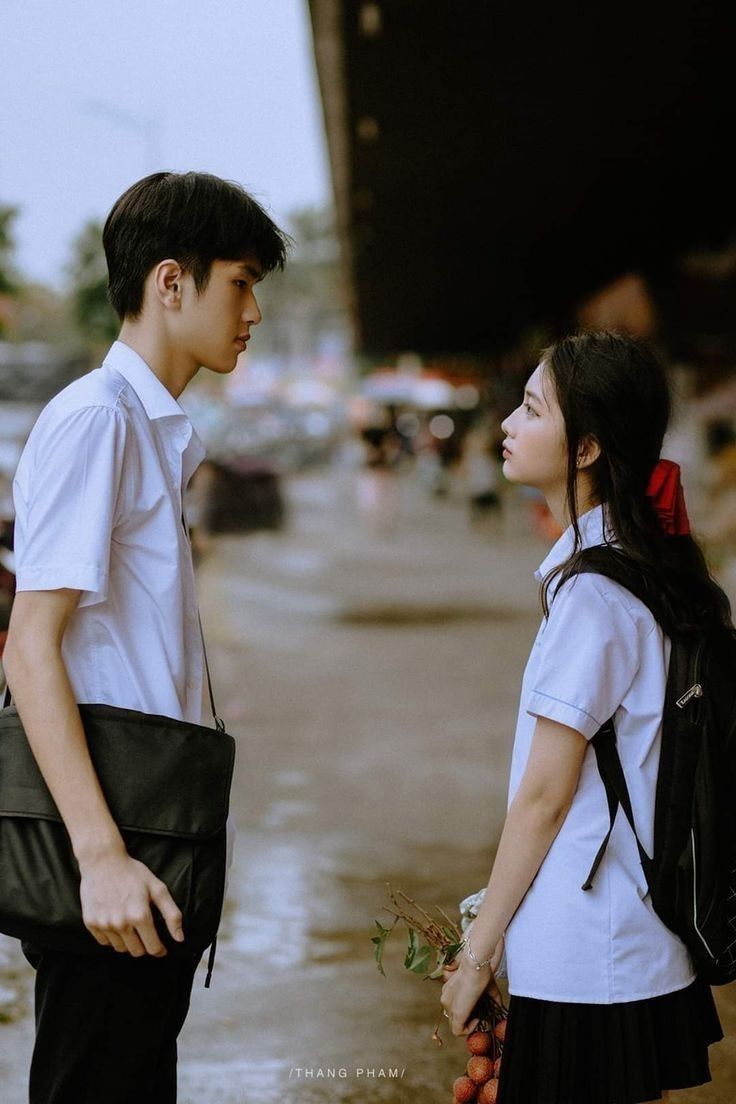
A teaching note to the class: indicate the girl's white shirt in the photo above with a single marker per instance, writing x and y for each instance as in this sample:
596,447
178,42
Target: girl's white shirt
600,654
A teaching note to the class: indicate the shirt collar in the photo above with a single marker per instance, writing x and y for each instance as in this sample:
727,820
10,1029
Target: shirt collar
158,402
595,528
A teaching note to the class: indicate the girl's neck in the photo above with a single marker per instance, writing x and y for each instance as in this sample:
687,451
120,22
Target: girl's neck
557,501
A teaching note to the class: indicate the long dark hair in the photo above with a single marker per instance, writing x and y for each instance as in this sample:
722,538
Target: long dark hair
613,388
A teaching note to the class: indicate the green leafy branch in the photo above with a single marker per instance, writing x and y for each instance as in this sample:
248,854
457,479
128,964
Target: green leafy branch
425,933
433,943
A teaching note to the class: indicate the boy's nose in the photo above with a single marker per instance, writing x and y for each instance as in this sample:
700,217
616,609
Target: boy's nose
252,313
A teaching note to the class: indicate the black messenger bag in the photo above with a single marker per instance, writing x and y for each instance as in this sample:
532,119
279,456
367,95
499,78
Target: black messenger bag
167,784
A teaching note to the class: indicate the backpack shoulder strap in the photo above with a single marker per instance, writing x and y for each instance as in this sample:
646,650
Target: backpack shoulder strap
617,793
609,561
682,685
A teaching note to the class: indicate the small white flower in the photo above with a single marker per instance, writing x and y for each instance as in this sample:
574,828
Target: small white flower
469,908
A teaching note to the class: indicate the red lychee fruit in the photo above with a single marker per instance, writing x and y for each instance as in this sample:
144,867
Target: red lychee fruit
497,1068
464,1089
479,1068
488,1092
479,1042
500,1030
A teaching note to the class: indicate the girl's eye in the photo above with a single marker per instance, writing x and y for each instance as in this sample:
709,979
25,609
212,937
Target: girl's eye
529,409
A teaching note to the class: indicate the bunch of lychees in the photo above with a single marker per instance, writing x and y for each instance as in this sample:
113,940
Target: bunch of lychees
479,1083
433,945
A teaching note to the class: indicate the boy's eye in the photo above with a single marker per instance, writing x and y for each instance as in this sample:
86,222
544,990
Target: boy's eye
241,283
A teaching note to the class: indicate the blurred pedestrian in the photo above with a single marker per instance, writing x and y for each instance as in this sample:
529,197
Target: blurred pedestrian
717,523
480,469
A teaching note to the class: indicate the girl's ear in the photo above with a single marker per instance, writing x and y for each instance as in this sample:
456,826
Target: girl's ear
588,452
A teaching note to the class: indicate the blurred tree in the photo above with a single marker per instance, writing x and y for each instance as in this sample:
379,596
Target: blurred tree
43,314
7,246
8,280
305,302
92,312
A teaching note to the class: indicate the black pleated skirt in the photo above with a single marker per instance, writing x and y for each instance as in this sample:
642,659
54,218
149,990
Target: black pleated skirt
563,1053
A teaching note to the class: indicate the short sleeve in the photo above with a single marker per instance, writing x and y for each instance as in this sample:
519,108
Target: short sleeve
66,497
589,655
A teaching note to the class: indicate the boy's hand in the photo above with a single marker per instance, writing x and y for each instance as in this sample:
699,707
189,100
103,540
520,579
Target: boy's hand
116,893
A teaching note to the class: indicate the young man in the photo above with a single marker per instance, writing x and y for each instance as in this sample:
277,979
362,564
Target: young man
105,609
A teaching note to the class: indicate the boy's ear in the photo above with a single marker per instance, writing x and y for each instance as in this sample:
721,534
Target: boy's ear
167,277
588,452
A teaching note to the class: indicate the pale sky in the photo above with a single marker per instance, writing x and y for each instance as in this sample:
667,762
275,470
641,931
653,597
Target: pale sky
95,94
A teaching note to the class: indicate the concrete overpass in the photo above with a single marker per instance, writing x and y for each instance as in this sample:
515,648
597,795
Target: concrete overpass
495,163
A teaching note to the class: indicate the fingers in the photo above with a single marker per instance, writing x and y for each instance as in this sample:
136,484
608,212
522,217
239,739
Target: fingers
132,943
99,935
459,1027
107,936
455,1024
495,992
459,1003
168,908
135,938
149,937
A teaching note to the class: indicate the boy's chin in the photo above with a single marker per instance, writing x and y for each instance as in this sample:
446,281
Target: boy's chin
222,367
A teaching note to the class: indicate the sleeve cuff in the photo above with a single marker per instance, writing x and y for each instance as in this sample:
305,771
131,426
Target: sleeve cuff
91,580
542,705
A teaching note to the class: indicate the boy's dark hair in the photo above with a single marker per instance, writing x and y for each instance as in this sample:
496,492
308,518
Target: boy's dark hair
196,219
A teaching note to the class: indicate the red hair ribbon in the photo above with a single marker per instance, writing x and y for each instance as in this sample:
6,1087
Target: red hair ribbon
665,491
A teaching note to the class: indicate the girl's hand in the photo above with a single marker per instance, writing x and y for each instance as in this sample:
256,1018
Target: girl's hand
458,991
461,991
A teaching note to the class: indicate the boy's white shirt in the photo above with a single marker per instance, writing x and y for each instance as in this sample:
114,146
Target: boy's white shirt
600,653
98,496
98,493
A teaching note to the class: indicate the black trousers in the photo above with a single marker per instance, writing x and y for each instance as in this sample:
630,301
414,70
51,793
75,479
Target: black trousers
106,1026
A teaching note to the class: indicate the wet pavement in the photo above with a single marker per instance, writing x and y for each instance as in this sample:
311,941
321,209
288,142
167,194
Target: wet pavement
367,659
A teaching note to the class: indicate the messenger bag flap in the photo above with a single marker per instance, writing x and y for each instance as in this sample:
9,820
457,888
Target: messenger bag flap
158,774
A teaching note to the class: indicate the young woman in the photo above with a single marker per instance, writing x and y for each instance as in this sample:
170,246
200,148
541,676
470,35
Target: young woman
605,1007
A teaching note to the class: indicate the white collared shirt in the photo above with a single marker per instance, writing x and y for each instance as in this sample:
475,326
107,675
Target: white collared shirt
98,501
600,654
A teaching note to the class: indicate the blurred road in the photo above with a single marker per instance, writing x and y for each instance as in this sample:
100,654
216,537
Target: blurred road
368,660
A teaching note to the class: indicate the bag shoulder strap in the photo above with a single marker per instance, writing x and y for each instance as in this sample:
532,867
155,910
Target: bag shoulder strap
219,723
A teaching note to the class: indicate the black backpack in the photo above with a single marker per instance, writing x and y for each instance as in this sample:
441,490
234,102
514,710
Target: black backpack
691,875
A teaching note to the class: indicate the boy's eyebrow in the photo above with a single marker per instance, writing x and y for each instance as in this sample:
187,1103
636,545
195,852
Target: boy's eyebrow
251,270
